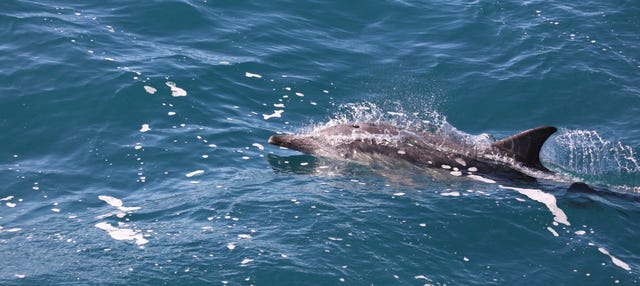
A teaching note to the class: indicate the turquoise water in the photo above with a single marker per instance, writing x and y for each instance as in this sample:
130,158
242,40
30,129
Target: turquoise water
133,145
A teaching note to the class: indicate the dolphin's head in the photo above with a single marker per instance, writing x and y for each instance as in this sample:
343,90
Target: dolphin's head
328,138
300,143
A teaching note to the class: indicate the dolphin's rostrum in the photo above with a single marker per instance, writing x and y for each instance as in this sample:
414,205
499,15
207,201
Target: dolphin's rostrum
358,141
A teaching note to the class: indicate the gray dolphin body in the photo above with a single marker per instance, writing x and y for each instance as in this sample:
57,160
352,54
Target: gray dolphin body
363,140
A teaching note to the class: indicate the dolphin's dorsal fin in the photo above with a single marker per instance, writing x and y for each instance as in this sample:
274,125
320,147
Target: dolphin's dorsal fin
525,146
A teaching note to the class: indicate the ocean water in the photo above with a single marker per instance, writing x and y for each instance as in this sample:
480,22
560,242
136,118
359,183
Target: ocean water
133,142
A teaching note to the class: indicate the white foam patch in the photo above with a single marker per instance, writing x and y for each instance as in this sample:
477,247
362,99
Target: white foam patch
248,74
145,128
450,194
399,194
244,236
175,90
122,233
258,145
115,202
171,113
547,199
615,260
300,94
128,209
245,261
150,89
276,113
231,246
7,198
580,232
553,231
194,173
422,277
481,179
279,105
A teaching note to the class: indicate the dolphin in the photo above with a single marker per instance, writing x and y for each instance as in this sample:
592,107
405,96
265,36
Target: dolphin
364,141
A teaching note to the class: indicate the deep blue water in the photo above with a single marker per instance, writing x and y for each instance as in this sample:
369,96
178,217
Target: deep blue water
133,142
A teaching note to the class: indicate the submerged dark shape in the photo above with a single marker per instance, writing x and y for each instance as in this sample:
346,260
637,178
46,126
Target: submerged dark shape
362,141
581,194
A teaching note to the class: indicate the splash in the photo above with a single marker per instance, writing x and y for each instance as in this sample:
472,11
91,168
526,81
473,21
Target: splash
427,120
587,155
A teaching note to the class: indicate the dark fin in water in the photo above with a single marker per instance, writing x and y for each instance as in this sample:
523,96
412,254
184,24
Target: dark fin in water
581,187
525,146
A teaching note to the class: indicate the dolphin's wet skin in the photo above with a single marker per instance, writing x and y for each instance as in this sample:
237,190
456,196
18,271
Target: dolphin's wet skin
357,141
